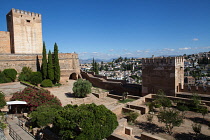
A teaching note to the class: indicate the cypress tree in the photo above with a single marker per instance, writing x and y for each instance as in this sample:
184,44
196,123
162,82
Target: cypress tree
50,70
44,62
56,65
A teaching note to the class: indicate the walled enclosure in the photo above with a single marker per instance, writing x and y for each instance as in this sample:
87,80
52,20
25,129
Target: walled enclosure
117,86
162,73
69,63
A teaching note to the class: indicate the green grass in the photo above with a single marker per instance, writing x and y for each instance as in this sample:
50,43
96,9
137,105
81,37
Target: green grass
126,100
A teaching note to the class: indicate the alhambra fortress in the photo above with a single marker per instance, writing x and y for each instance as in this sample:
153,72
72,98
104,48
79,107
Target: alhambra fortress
21,45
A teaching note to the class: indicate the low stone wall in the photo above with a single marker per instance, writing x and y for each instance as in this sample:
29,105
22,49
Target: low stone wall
142,109
147,136
101,95
116,85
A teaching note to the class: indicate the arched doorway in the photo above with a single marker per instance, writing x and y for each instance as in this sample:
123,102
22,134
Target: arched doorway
73,76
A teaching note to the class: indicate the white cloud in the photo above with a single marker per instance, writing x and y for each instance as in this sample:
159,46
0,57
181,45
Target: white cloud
111,50
94,52
185,48
168,49
195,39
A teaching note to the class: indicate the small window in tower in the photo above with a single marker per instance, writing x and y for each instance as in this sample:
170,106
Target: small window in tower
21,15
28,21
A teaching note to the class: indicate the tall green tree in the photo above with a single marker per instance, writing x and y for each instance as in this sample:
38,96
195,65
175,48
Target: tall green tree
44,62
95,67
56,65
50,70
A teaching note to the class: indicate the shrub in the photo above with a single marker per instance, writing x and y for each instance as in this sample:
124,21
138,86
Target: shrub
25,74
36,78
81,88
182,107
132,116
3,78
35,98
2,100
46,83
196,128
149,117
10,73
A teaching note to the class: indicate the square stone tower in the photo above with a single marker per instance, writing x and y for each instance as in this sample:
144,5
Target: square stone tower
165,73
25,32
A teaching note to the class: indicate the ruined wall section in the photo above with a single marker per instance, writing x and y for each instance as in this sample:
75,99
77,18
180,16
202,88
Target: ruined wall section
162,73
25,31
5,42
69,63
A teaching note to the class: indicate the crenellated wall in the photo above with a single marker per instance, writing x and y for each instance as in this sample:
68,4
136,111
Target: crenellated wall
164,73
69,62
25,32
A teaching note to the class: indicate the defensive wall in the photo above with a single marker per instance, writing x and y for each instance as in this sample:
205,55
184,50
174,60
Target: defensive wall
69,63
117,86
164,73
5,42
25,31
196,89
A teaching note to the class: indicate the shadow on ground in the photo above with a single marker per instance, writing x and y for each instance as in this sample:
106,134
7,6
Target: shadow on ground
69,95
151,128
190,136
199,120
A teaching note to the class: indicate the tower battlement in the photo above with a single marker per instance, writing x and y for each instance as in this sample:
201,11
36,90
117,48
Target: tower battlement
162,60
32,14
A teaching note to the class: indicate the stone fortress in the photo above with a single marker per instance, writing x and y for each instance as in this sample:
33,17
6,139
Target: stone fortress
21,45
166,73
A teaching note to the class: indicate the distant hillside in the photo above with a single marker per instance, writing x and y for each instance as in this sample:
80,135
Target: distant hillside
90,60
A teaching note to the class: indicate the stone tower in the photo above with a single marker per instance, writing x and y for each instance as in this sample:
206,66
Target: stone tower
165,73
25,32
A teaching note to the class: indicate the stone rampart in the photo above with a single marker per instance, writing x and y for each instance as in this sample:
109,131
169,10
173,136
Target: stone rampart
196,89
69,63
4,42
118,87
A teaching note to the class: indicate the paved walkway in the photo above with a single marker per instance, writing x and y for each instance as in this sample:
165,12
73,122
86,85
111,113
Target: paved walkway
14,125
9,88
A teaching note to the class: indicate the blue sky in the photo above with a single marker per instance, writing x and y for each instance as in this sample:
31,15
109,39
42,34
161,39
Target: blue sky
111,28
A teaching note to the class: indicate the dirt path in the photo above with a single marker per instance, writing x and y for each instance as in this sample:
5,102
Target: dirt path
64,93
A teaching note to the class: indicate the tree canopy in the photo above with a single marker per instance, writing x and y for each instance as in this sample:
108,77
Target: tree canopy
81,88
44,115
85,122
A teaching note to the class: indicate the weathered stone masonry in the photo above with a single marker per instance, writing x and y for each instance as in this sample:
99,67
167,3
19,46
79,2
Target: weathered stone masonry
165,73
22,45
69,63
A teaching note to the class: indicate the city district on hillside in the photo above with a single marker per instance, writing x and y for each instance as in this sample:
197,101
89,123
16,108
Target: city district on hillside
50,96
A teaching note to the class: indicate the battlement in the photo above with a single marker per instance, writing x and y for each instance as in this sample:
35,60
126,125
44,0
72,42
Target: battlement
32,14
162,60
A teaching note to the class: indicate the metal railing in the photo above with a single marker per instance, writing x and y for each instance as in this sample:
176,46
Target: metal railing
21,124
13,134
